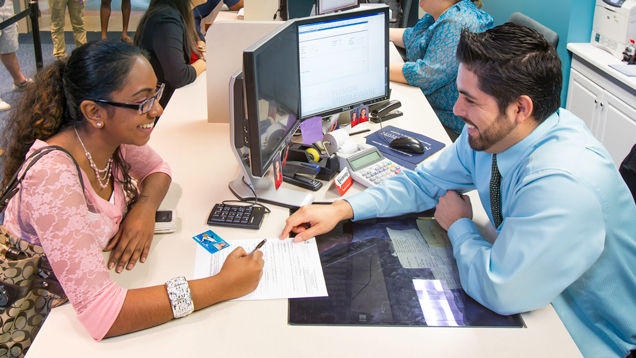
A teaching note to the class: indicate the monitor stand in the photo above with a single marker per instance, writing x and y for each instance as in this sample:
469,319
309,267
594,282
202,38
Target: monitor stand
242,186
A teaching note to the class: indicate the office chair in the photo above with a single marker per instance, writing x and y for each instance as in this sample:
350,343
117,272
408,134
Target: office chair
524,20
628,171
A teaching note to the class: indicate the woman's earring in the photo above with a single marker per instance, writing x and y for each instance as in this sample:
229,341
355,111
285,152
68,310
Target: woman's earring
99,124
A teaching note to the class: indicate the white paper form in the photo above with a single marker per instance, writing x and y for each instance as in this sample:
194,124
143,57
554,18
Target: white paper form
292,270
414,251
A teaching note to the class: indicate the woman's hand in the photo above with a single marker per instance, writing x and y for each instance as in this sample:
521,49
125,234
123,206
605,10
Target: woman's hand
201,47
241,273
132,241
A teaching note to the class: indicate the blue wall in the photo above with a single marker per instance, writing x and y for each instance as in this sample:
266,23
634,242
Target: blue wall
570,19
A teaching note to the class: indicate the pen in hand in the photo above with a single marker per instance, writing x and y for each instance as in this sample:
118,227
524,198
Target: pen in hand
260,244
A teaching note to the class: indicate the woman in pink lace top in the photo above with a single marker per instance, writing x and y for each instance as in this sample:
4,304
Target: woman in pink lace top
101,107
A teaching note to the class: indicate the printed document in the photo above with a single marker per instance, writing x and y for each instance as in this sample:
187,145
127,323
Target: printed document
292,270
429,248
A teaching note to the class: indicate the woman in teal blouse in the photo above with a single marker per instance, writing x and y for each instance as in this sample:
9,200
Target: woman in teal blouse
430,48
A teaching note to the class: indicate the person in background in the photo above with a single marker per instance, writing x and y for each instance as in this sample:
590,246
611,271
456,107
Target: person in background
104,15
564,217
101,107
177,50
8,46
203,10
76,14
430,48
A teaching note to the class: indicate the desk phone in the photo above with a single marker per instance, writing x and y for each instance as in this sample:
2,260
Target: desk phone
369,167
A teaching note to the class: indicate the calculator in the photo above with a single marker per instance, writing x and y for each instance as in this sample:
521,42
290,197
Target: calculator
369,167
376,173
240,216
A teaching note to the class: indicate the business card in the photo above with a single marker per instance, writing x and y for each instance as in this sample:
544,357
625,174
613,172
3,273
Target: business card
211,241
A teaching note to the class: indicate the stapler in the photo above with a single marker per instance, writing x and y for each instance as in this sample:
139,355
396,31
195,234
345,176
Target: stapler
386,112
301,174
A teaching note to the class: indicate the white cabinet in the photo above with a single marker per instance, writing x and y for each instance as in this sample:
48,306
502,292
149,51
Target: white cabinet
584,99
605,104
618,133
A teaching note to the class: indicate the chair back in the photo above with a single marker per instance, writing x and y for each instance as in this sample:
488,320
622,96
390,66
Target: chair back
521,19
628,171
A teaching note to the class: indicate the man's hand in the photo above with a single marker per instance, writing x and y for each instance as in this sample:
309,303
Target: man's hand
133,239
321,219
451,208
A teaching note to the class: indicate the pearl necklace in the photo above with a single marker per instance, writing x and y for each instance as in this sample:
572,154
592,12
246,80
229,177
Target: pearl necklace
102,181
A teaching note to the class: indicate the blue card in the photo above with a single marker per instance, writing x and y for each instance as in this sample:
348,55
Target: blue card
211,241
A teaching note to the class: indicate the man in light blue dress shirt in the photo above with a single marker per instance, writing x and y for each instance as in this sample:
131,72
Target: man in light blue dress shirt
568,221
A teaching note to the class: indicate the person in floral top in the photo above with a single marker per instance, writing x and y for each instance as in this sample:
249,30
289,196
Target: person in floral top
430,48
101,106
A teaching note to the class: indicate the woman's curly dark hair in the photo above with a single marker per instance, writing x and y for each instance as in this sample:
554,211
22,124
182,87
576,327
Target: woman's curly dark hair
52,103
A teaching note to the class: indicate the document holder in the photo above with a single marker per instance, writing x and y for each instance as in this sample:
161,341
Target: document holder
368,285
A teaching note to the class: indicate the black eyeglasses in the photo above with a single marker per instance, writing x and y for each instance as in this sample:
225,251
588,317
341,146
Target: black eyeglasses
142,107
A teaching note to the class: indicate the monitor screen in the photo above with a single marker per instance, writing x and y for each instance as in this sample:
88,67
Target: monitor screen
343,61
270,69
325,6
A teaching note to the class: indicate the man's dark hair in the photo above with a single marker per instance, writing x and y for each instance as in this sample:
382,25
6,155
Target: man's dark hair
512,60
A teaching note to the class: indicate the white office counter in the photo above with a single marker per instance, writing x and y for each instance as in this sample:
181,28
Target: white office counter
601,60
202,165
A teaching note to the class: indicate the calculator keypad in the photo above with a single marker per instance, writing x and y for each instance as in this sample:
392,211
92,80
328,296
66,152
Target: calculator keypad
376,173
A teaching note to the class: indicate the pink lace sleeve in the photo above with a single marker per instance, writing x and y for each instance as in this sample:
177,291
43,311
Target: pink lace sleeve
54,209
144,161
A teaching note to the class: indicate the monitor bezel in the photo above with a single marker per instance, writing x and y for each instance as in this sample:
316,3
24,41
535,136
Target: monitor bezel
347,7
259,166
340,16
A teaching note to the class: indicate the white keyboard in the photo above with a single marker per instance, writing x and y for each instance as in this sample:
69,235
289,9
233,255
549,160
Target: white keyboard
376,173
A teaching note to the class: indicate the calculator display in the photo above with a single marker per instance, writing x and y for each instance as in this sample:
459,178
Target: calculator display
363,161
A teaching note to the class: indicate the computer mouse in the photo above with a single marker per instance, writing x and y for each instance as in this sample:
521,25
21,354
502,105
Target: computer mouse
408,145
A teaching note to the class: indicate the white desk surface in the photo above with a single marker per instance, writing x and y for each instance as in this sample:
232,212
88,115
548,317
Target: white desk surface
601,59
202,165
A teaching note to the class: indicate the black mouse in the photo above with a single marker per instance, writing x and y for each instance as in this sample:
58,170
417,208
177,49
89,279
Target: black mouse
408,145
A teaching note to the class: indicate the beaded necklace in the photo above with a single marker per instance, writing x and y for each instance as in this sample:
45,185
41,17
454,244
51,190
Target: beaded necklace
103,182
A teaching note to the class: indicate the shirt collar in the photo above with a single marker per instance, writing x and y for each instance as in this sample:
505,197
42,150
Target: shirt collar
507,159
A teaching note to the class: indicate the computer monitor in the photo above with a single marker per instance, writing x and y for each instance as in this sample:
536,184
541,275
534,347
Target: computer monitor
327,6
295,72
264,114
271,94
343,61
293,9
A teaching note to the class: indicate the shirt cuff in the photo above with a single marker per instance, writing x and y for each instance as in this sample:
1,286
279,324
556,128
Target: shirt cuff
461,231
362,206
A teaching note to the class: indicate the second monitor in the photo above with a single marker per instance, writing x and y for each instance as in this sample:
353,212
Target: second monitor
308,67
343,61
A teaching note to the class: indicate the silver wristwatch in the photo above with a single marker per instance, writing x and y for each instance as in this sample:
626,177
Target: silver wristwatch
180,298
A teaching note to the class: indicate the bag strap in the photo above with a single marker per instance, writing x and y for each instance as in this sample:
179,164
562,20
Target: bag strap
12,187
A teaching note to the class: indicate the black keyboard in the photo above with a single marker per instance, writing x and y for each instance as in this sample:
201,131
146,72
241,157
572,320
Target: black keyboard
246,217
